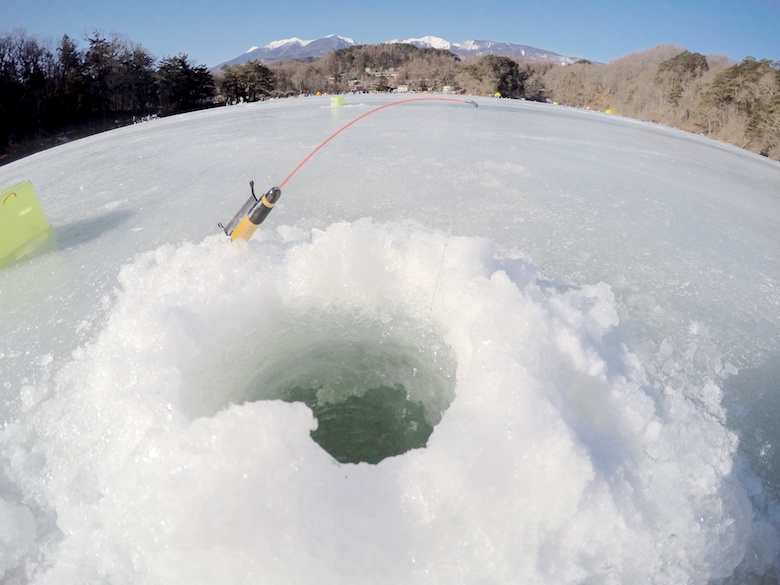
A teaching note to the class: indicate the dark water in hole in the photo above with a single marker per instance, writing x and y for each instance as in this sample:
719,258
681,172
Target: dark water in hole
381,423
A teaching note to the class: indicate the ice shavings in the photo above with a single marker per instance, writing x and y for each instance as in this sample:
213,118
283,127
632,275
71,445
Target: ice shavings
555,461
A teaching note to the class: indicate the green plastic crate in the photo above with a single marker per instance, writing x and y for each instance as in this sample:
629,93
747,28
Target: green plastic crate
23,225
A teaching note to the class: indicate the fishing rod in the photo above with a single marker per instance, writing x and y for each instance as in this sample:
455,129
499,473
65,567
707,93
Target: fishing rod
254,211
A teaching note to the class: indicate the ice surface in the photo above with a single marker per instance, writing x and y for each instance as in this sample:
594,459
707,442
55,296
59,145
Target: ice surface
586,307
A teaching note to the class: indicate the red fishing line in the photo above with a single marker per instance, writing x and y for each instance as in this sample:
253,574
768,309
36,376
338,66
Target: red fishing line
340,130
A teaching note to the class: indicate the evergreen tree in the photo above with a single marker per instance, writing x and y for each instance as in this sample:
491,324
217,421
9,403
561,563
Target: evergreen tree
498,74
677,73
248,81
230,84
69,83
100,65
30,69
682,66
746,91
139,81
505,75
182,86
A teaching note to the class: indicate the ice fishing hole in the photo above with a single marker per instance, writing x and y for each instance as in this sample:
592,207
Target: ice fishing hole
377,389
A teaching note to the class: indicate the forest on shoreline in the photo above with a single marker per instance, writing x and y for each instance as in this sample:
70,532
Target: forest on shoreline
53,92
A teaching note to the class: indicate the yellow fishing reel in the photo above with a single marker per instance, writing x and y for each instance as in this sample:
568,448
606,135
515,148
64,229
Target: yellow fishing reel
252,213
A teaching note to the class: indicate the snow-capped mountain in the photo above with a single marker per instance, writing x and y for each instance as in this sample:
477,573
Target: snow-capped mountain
296,48
478,48
293,48
428,42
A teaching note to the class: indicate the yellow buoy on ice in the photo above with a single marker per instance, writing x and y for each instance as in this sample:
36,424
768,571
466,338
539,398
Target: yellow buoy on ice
23,225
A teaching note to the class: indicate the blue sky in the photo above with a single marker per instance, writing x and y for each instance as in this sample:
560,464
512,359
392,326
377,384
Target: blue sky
214,31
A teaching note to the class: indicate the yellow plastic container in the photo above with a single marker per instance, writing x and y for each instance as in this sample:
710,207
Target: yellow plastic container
23,225
337,100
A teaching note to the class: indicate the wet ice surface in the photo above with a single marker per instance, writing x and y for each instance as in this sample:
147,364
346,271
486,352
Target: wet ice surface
586,307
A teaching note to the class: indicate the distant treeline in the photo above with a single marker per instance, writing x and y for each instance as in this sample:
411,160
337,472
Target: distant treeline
47,90
738,103
392,66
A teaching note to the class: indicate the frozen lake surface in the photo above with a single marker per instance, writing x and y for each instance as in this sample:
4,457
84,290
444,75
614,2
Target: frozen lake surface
583,308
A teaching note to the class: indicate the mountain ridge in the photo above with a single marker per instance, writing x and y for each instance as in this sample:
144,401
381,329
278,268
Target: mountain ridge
296,48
